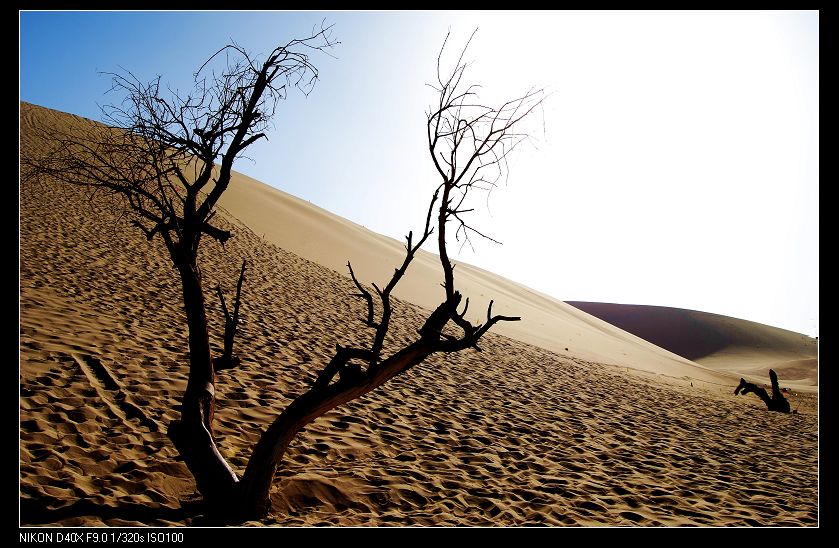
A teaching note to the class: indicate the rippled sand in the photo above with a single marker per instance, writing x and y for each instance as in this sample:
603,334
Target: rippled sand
513,435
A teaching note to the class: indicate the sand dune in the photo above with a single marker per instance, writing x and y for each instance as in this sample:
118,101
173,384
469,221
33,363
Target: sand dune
728,344
315,234
516,434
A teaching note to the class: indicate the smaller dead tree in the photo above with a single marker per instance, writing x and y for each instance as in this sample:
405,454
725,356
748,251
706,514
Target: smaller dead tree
777,402
228,360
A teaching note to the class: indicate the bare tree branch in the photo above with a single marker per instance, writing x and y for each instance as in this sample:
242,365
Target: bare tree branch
364,294
228,360
464,140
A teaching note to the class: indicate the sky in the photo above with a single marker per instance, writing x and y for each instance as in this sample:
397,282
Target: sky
675,161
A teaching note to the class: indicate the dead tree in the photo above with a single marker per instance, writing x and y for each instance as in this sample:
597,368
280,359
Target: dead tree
468,144
775,403
170,157
228,360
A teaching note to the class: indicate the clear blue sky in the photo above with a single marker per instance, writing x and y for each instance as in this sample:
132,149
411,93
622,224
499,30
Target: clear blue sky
678,166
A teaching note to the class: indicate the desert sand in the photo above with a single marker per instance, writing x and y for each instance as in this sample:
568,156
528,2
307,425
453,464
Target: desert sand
612,431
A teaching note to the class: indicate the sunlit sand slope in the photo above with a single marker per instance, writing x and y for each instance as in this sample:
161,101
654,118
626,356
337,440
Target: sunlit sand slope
313,233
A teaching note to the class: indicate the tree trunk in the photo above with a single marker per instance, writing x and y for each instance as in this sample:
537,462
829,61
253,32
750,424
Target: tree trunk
193,434
777,402
253,492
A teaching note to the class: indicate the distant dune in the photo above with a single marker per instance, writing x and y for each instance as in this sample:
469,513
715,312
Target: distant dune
720,342
563,419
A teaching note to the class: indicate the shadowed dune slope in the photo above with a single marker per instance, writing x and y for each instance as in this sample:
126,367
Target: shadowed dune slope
720,342
513,435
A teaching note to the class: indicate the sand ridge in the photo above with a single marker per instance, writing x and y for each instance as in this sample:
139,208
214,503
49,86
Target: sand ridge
513,435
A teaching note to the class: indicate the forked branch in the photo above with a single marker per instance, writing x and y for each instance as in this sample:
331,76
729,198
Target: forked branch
228,360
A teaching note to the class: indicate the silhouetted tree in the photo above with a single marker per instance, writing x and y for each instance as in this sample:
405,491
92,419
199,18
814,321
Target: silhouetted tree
228,360
170,158
468,143
775,403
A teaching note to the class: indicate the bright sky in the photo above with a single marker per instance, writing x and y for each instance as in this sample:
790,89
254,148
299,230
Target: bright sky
678,166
